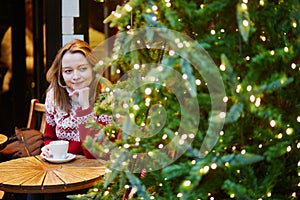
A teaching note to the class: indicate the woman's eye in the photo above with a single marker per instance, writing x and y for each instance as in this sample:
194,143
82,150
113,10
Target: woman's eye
67,71
83,68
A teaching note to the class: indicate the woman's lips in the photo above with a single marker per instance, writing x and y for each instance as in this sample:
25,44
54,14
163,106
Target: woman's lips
77,85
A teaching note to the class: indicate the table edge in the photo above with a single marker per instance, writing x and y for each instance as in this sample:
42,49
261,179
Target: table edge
50,189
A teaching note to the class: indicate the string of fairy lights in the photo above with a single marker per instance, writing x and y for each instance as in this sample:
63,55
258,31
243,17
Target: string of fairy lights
252,98
255,100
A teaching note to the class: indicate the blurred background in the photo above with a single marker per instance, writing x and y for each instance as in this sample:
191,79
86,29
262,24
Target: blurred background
31,32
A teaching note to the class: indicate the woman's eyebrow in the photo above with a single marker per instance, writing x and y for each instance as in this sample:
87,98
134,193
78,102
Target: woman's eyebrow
84,64
64,67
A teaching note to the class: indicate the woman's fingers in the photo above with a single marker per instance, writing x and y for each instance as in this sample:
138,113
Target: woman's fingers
75,92
81,96
45,152
79,91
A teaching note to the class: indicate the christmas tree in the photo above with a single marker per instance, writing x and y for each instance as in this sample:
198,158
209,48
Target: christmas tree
207,103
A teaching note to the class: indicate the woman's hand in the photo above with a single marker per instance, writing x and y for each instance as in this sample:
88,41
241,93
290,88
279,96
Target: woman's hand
82,96
45,152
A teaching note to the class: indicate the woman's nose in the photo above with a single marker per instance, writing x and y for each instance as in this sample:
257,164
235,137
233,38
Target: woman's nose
76,74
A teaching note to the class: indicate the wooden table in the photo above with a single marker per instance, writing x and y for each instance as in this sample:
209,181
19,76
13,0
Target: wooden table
3,141
33,175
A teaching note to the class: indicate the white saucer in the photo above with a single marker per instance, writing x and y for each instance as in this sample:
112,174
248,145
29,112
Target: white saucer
68,158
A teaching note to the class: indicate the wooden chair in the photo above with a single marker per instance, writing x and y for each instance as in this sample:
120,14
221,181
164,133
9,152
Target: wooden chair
37,115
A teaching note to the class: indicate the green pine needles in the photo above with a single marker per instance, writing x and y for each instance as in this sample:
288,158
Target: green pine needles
177,141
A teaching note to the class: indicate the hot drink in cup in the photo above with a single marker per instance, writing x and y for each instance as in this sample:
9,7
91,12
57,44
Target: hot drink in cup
59,149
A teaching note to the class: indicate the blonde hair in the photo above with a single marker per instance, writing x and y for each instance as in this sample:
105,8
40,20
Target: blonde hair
55,78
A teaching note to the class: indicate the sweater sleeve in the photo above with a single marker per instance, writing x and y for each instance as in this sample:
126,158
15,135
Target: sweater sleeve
84,131
50,133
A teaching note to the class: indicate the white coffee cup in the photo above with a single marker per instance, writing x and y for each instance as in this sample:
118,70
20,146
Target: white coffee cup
59,149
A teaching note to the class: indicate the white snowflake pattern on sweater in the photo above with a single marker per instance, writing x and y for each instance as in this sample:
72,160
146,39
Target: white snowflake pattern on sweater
66,124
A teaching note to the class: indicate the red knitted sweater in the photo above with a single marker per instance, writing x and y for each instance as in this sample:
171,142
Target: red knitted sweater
70,126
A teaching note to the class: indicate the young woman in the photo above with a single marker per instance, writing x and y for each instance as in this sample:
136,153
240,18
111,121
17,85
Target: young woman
70,97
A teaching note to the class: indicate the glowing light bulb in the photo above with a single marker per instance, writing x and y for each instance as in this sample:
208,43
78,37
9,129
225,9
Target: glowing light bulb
179,195
272,123
222,115
252,98
148,91
181,142
222,67
214,166
249,88
206,169
117,15
187,183
263,38
257,102
198,82
180,45
279,136
128,8
289,131
238,88
244,6
165,136
245,23
154,7
171,52
115,56
136,107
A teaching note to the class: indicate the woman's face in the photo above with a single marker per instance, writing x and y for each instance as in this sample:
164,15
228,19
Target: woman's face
76,71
